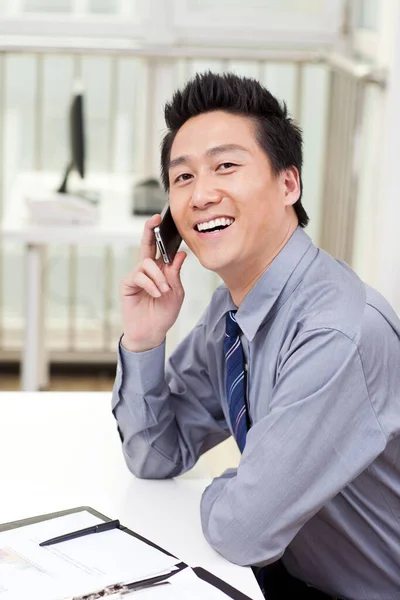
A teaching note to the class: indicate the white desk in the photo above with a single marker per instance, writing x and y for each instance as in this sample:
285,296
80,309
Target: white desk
60,450
116,226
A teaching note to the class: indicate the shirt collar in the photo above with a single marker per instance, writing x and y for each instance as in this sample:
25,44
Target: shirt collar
274,286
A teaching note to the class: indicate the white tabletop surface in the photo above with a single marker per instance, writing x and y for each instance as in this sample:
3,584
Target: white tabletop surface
61,449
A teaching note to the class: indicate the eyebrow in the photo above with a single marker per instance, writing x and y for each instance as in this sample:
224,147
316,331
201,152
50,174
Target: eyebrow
185,158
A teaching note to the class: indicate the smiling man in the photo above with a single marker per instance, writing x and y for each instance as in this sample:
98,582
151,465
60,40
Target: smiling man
295,357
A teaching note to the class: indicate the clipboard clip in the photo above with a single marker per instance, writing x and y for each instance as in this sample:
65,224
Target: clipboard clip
119,589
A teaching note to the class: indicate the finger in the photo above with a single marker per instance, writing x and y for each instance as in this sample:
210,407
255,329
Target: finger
126,285
153,271
148,243
145,283
173,272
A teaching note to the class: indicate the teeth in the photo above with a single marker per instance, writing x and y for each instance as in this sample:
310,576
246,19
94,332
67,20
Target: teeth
222,222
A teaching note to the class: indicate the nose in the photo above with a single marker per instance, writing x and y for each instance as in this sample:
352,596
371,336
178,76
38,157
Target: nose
204,193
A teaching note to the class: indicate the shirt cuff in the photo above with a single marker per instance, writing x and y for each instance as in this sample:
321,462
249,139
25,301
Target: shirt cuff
140,372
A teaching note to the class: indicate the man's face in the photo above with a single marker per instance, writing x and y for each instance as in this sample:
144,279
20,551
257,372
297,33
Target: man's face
229,207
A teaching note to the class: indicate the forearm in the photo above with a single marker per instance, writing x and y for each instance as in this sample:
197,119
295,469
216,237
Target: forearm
163,424
143,456
234,525
145,419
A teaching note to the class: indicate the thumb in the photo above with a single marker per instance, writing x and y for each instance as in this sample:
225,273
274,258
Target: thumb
173,272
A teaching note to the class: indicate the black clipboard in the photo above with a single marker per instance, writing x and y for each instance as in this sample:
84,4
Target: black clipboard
203,574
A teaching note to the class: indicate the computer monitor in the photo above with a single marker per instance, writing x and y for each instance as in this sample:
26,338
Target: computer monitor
76,141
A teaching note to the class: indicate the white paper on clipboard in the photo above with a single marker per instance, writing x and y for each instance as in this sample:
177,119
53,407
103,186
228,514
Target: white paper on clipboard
78,566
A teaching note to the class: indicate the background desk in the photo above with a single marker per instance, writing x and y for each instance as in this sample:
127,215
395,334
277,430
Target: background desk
116,226
60,450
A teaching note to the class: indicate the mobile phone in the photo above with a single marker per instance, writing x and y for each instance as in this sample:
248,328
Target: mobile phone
167,236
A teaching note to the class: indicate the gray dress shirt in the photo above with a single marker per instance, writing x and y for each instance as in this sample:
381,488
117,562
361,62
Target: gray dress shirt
319,479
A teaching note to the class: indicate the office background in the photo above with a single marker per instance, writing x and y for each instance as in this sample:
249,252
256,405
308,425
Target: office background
332,61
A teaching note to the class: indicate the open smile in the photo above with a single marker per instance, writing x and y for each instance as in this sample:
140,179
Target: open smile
214,225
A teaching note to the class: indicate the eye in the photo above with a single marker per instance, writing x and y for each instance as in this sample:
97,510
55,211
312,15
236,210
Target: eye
183,177
226,165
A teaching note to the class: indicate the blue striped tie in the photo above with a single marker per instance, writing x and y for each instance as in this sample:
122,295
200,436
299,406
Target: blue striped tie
235,379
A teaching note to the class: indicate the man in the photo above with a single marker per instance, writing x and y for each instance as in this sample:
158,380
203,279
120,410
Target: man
295,356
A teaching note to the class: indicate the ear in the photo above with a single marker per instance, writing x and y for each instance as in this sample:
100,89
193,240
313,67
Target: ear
291,180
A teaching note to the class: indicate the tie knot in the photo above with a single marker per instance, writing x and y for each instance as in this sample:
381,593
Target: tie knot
232,327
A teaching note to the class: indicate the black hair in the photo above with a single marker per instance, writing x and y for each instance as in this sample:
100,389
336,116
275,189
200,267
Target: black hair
276,132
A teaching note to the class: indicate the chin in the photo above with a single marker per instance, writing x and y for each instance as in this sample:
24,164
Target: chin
214,263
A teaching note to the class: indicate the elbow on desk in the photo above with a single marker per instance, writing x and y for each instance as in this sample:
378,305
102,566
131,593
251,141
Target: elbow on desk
150,466
243,541
243,551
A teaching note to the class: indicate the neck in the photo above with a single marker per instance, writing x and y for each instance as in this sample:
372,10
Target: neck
246,276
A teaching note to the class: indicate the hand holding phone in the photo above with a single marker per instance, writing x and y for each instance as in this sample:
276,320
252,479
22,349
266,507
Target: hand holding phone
151,295
167,236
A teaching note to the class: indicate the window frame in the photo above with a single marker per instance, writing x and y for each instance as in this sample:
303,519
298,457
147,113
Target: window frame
170,22
283,28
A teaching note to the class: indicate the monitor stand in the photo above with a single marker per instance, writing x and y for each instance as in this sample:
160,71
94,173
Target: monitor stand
90,196
63,187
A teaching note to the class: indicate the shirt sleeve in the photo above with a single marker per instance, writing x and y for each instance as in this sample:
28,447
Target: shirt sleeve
167,416
321,432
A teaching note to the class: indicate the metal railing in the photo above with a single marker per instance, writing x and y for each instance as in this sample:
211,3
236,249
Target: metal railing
347,84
